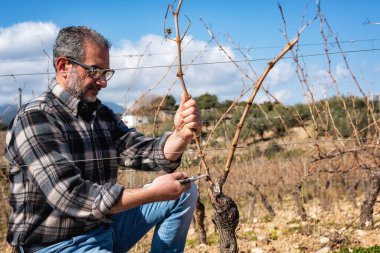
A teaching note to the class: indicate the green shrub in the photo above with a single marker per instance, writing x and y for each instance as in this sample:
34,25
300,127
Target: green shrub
374,249
272,150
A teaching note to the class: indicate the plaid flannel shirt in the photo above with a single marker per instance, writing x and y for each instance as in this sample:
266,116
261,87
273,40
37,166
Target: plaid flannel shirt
63,169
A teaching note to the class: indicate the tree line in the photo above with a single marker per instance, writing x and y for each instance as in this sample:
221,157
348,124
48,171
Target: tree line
331,117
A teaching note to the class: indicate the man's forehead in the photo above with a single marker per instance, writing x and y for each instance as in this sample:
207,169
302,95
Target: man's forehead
96,53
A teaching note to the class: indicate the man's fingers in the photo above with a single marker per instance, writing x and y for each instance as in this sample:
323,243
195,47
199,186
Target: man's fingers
183,98
179,175
186,103
190,118
193,126
190,103
189,111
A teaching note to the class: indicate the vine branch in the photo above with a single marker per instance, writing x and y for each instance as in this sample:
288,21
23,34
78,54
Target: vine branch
257,86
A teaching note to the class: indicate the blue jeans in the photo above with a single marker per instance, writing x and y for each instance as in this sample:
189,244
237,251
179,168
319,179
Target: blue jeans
171,218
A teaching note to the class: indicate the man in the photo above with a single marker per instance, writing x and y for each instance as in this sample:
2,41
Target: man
64,149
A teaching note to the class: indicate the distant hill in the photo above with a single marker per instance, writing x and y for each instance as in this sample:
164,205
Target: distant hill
114,107
8,111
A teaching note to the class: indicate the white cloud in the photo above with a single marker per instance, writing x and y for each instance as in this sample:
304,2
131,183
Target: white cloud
341,71
321,76
282,72
26,40
219,79
22,49
149,63
283,95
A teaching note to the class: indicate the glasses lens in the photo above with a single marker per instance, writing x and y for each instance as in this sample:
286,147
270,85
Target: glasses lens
101,73
108,74
95,73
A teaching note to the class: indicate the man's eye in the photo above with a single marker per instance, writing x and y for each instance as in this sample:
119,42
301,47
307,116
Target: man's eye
97,73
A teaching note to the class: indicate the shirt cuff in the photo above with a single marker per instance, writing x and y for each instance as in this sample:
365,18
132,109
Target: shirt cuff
160,159
107,198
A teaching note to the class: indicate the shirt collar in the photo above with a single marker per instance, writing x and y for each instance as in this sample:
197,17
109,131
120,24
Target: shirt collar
65,97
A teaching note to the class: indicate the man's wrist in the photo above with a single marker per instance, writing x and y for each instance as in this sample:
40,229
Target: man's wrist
175,145
178,136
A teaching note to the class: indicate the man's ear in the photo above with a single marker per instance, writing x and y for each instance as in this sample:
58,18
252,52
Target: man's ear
62,66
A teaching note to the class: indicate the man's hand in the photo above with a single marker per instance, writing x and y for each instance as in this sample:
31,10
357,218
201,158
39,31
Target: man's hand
167,187
187,119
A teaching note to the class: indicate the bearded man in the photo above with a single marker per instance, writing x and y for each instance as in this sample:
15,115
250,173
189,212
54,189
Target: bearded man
64,149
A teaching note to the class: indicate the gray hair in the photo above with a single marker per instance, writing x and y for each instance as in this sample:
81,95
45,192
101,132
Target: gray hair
70,42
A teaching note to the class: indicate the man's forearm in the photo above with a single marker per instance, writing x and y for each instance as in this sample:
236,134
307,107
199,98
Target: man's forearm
165,187
175,146
131,198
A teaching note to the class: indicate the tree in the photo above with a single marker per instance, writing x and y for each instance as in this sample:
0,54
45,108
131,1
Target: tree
349,116
259,122
148,106
303,111
223,106
207,101
169,103
260,125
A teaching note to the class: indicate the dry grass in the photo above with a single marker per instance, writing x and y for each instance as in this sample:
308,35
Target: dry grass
335,225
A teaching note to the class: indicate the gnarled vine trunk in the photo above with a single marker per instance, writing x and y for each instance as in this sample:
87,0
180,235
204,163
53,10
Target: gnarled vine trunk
264,200
226,220
297,195
366,211
199,217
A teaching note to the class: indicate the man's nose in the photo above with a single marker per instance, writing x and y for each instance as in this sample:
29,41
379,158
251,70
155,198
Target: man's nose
102,82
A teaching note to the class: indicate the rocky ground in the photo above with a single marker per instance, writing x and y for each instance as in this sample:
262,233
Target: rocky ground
324,231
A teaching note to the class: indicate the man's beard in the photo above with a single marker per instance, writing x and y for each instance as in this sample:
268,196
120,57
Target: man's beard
75,85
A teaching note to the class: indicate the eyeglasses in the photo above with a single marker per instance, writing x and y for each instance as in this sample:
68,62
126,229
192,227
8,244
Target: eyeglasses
94,72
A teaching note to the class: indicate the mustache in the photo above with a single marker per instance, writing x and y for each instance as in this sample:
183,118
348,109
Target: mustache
93,86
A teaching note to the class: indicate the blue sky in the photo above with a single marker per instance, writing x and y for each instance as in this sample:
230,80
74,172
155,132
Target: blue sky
28,29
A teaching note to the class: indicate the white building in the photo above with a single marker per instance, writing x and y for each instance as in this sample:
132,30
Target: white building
132,121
